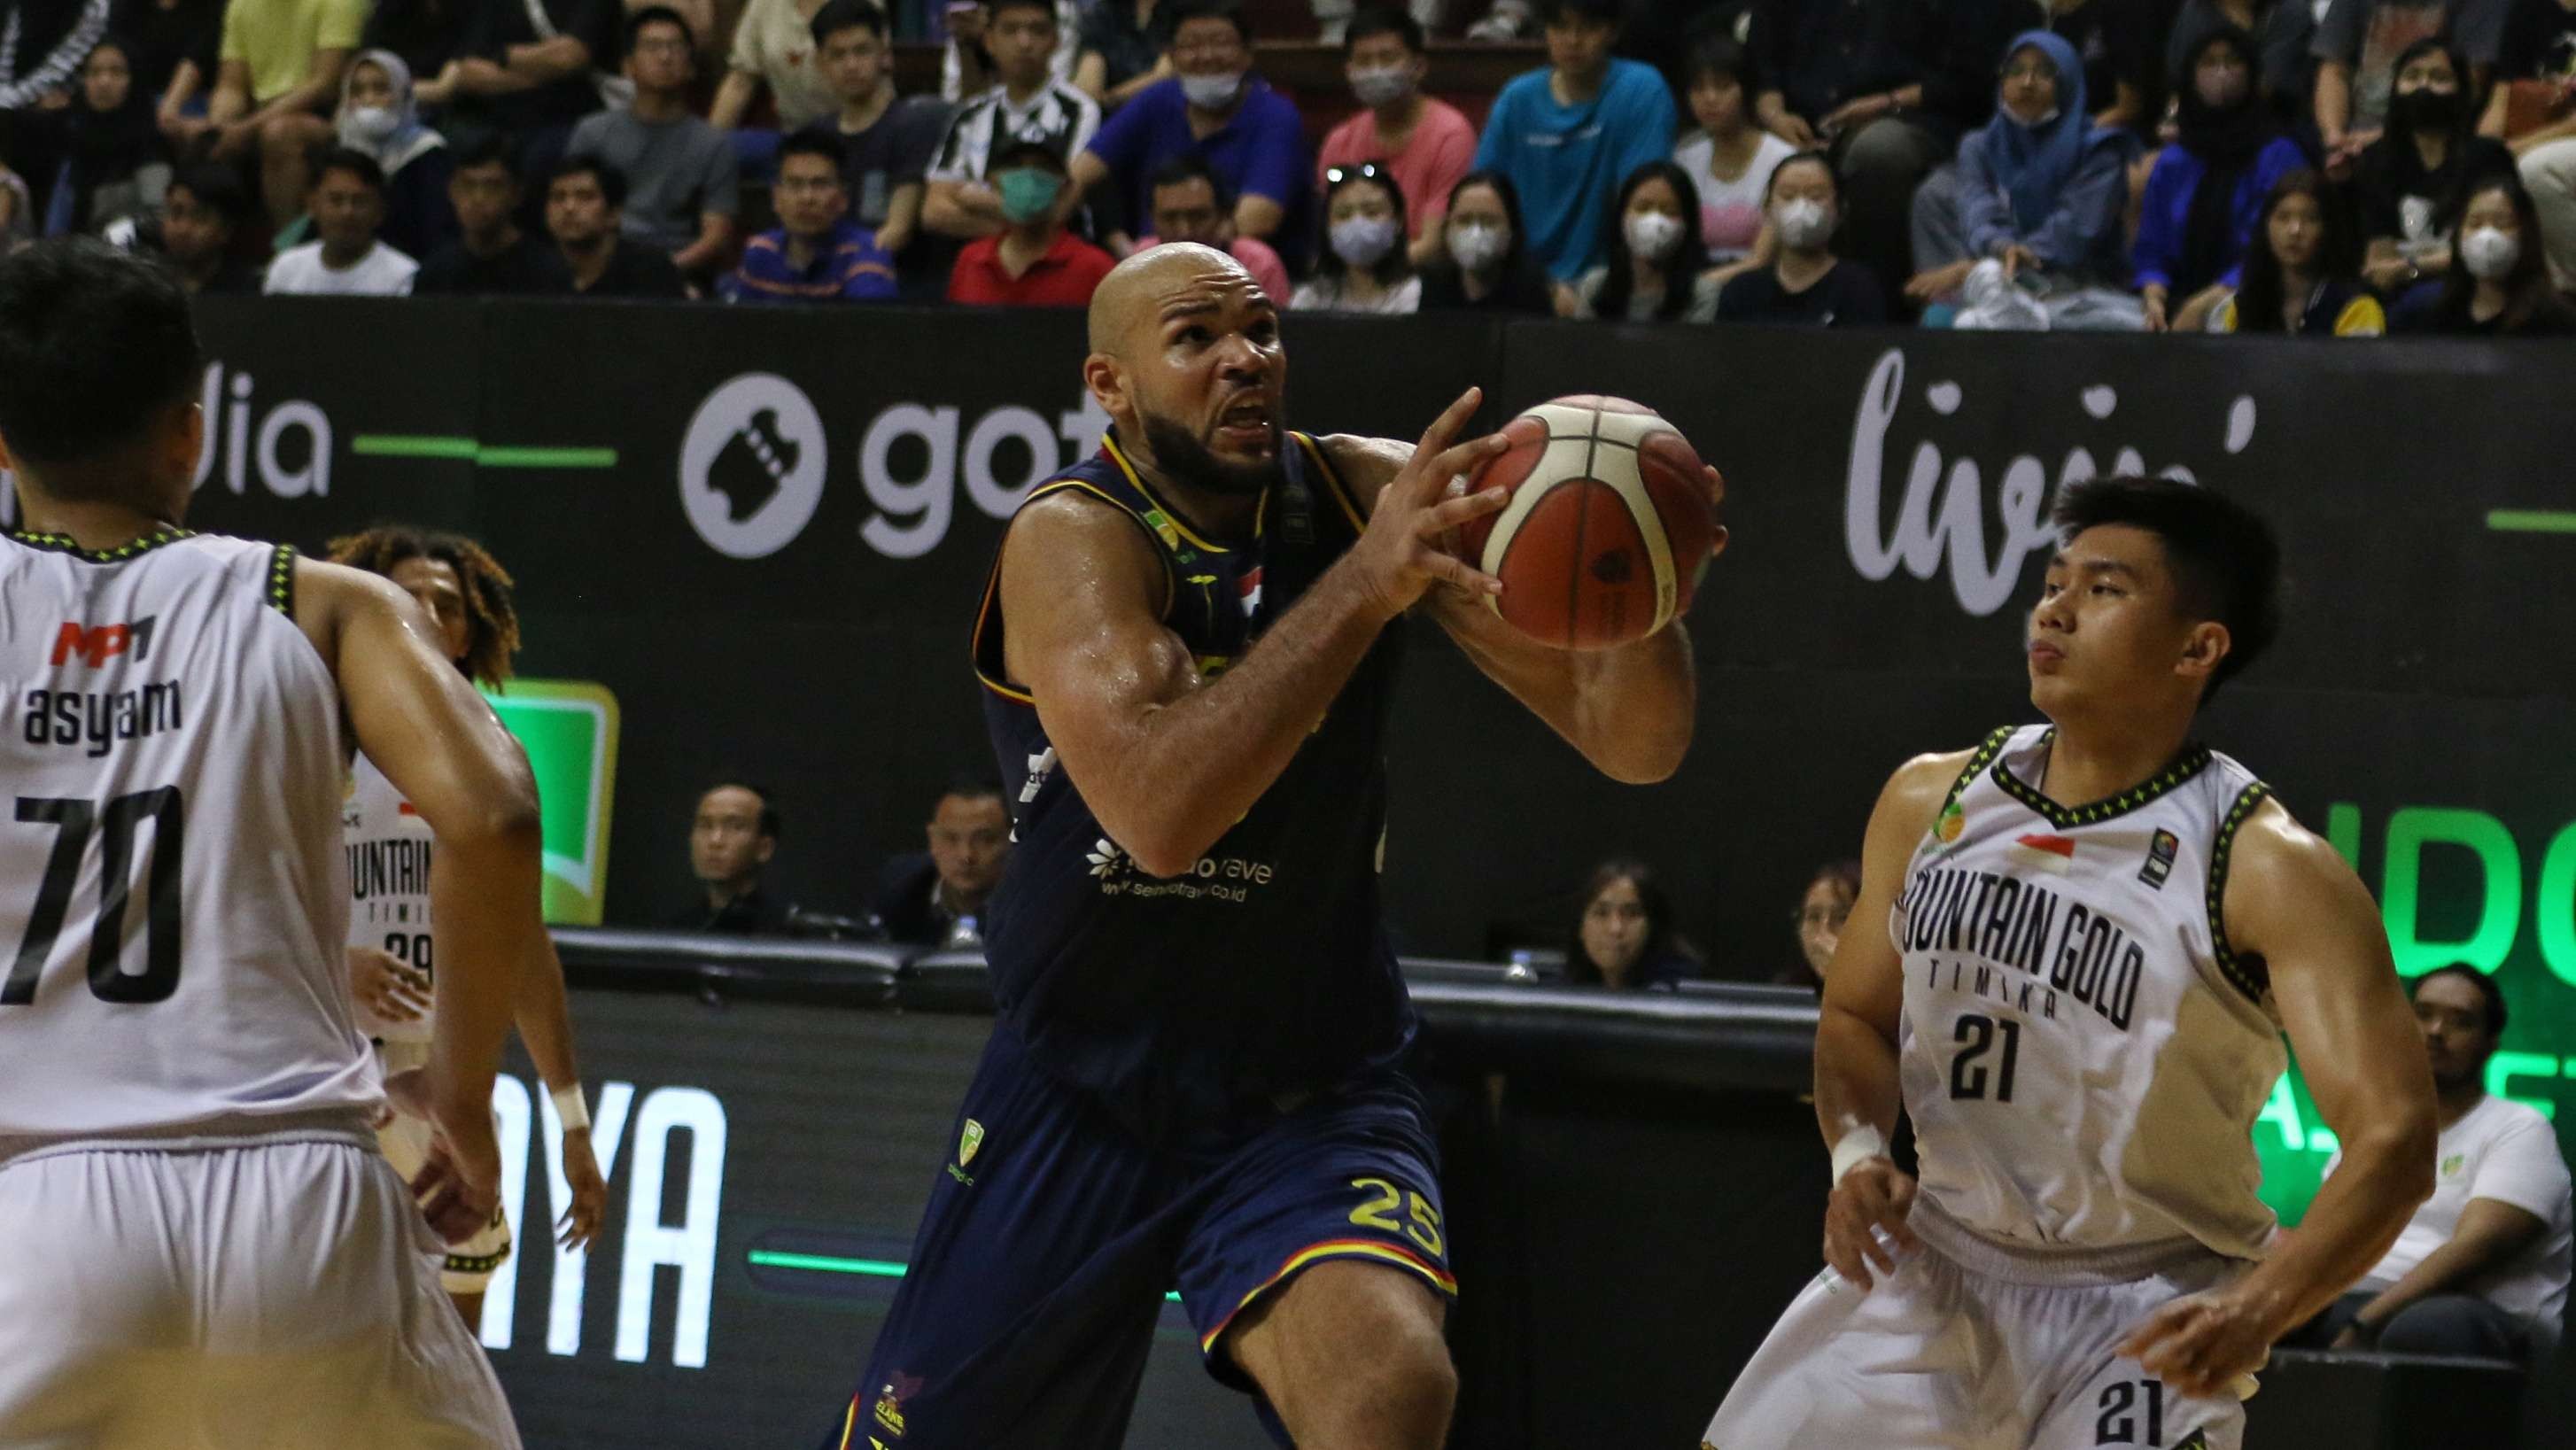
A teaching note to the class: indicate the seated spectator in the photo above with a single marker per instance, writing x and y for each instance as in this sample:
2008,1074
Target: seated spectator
49,42
115,164
1120,48
1568,134
2500,288
2119,42
377,116
426,34
2481,1270
2533,110
1190,205
2296,279
1213,105
492,255
936,897
530,70
173,45
1483,264
1824,908
1037,263
1886,87
2361,45
776,51
967,66
2410,181
279,78
1805,283
1658,271
1624,938
584,199
817,254
1026,105
2040,191
887,142
350,259
2207,188
2281,30
1364,267
1423,143
683,181
732,840
1729,159
207,221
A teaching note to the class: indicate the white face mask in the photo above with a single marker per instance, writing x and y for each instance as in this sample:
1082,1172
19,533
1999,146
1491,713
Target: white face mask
1363,241
1212,93
2490,253
1383,86
368,124
1477,246
1651,234
1803,224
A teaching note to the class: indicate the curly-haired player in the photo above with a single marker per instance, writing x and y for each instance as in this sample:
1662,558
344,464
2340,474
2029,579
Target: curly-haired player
391,953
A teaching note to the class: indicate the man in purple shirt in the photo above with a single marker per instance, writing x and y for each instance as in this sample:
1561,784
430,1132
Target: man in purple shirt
817,254
1250,134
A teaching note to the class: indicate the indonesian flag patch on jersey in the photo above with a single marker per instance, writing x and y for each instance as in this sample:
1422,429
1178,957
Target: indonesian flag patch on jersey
2048,853
1248,587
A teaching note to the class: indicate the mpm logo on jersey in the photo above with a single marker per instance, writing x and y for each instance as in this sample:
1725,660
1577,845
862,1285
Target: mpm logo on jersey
95,647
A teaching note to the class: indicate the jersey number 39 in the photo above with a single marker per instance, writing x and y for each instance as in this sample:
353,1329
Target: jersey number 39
116,822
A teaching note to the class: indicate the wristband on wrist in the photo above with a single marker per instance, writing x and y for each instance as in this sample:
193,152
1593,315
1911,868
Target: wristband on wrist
570,1108
1855,1148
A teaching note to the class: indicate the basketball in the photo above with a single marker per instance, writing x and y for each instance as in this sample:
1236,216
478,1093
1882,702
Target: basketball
1608,528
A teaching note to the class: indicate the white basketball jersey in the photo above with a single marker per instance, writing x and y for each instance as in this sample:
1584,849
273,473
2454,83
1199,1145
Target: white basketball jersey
2082,1055
389,848
172,896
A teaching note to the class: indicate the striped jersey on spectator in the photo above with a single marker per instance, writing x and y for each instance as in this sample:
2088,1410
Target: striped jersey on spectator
1059,118
847,266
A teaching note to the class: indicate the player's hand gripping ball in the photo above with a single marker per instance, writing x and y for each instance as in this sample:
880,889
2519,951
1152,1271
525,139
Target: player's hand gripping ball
1611,523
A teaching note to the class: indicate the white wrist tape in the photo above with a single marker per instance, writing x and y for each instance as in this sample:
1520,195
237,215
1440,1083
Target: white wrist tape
1857,1147
570,1108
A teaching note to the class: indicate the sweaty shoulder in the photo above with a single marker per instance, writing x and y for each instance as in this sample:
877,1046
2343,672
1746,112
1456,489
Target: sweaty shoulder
2286,883
1365,464
1071,561
328,596
1920,787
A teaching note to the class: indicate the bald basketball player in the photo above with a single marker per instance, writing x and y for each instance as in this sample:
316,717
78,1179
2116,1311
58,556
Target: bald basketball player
1193,1079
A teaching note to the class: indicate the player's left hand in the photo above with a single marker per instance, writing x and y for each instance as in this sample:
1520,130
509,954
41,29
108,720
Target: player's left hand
580,1223
1716,509
2203,1344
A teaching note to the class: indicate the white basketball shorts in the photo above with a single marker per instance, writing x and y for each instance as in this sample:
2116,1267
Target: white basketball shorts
1942,1356
278,1291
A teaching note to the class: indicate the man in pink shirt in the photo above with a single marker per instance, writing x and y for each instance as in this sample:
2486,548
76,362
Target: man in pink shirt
1426,143
1189,206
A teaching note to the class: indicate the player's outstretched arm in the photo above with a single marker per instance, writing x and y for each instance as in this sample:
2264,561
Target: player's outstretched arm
1629,710
421,723
1857,1094
2293,902
1167,760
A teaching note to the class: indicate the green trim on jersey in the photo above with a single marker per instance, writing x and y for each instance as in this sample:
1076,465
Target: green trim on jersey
2191,762
281,580
1985,756
2248,977
135,548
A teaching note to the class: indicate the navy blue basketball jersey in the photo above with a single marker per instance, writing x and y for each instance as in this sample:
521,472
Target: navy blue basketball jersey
1264,970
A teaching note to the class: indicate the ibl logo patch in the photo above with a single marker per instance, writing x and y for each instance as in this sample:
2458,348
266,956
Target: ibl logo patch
2160,858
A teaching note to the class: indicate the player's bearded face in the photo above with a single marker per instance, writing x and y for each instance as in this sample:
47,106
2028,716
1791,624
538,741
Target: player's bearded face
1193,457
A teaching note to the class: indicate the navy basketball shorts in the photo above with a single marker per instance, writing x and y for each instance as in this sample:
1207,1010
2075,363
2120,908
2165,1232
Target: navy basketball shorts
1053,1233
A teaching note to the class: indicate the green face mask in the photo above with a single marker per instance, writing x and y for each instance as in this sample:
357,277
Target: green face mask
1028,193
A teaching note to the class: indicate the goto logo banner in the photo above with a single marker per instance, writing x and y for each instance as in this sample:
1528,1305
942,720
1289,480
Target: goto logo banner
569,728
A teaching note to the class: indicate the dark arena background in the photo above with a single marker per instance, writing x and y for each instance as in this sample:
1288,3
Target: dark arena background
1634,1182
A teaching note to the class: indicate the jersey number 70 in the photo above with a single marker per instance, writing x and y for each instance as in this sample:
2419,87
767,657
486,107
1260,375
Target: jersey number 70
115,822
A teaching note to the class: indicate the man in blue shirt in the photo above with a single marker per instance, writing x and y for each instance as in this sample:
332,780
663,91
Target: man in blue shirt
1250,134
1569,134
818,254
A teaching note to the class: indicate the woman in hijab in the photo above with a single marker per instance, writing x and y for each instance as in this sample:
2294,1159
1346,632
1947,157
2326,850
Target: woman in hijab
2207,189
115,166
2035,199
378,116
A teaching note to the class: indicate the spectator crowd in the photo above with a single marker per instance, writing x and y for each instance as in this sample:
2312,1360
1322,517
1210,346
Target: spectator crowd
2324,167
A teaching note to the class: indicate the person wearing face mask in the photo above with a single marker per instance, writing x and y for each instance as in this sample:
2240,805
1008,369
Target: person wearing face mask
2207,188
2410,181
1035,262
2360,47
377,116
2297,279
1482,265
2498,285
1365,268
1657,267
1806,283
1250,134
1423,143
2037,195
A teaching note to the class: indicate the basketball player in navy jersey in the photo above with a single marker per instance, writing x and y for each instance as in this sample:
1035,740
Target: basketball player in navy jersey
206,1247
2095,932
1193,1081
